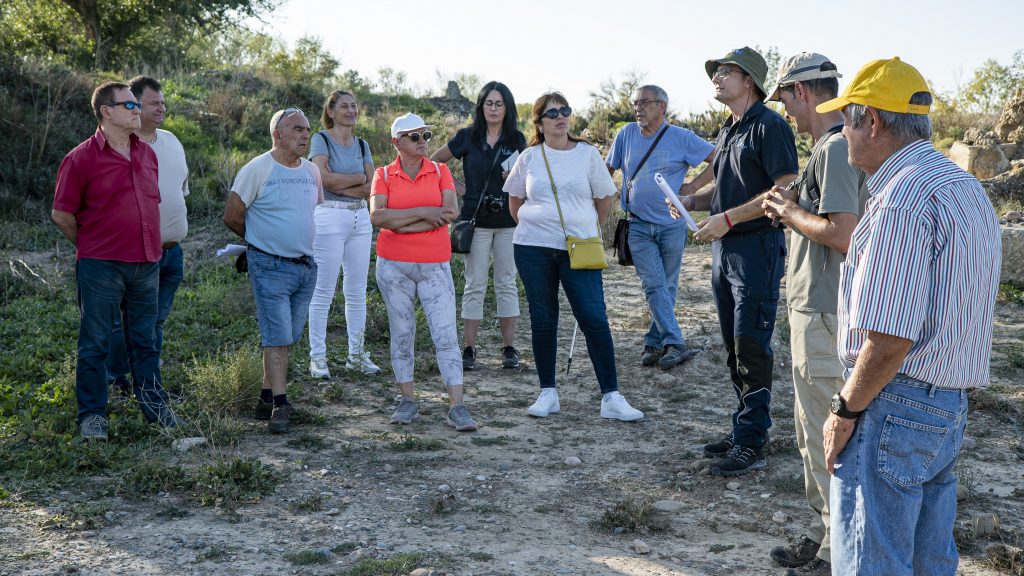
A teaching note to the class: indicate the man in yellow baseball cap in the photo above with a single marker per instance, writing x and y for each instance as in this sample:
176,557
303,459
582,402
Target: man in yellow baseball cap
916,300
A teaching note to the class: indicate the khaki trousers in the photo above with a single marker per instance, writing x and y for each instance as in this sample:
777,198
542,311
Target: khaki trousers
817,376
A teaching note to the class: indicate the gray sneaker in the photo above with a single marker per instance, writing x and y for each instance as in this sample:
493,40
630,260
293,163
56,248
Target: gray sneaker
94,427
167,418
405,413
459,418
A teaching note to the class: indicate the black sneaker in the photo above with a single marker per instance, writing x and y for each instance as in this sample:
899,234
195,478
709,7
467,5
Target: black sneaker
510,357
740,460
280,419
263,410
468,358
719,449
816,567
796,554
674,355
650,356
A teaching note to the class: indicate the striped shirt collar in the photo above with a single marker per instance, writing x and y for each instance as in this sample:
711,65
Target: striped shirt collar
897,161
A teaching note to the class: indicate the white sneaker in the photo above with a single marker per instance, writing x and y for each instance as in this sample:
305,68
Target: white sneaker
547,403
318,368
362,363
614,406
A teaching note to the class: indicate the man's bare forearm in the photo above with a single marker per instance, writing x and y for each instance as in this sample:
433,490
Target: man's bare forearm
67,224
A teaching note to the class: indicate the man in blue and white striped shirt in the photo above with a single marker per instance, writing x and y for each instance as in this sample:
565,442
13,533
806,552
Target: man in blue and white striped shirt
917,294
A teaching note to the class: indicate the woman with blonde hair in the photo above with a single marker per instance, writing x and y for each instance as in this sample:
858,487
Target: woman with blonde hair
343,232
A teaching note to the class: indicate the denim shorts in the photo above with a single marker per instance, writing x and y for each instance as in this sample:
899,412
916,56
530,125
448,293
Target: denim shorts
282,291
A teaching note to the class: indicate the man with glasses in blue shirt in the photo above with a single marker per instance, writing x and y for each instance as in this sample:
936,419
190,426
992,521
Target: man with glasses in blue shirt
271,205
656,241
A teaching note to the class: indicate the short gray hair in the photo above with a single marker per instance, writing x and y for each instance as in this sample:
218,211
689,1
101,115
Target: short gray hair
658,91
902,126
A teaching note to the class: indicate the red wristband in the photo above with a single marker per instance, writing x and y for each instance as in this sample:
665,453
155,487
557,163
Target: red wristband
726,214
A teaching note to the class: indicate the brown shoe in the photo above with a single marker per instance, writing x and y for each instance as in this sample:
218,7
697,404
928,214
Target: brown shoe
796,554
816,567
279,419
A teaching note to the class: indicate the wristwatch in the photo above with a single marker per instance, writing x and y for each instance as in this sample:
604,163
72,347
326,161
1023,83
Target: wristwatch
838,407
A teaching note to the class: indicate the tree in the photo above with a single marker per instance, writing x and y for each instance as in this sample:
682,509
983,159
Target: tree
993,84
110,30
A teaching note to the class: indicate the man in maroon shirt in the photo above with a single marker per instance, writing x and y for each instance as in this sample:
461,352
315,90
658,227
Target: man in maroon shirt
107,203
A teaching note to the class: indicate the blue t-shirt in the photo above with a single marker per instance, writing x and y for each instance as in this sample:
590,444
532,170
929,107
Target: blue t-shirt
678,150
279,205
340,159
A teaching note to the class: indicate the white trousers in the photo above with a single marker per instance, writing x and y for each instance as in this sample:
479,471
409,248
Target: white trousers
488,241
342,242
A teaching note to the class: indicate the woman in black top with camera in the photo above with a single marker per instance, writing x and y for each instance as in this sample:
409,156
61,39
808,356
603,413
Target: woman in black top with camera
492,138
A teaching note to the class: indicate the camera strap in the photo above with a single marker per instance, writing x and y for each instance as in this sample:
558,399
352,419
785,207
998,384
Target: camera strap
487,179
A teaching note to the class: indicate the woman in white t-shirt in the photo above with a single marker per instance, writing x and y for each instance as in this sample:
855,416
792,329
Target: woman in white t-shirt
585,193
343,232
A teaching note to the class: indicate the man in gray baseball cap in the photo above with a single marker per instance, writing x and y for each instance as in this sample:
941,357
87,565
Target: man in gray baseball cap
822,213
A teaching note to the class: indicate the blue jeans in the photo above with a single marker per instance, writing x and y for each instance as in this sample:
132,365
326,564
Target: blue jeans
282,291
746,270
542,269
893,496
657,255
172,270
102,286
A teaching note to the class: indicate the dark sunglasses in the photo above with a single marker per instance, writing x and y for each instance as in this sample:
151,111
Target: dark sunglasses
128,104
288,112
415,136
554,112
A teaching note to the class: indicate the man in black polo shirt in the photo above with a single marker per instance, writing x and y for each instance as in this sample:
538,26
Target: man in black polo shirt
754,151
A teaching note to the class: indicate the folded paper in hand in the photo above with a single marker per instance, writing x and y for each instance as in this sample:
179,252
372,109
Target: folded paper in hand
230,250
671,195
509,162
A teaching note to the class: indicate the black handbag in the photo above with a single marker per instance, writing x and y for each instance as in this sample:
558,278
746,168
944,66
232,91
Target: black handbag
462,230
621,240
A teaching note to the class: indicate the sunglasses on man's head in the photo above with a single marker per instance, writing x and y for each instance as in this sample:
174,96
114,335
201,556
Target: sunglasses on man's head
288,112
554,112
128,104
415,136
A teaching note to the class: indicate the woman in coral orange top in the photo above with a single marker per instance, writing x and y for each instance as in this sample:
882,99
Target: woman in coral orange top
413,200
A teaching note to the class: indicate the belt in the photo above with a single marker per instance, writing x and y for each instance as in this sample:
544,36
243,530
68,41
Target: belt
169,245
353,204
303,261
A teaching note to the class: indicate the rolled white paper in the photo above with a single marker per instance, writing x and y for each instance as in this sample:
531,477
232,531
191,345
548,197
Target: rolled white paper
230,250
671,195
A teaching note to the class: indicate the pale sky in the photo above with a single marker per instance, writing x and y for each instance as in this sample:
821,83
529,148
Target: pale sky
573,46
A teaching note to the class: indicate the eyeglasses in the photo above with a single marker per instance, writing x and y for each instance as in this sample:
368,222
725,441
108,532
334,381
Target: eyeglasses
128,105
288,112
553,113
494,104
644,102
724,72
415,136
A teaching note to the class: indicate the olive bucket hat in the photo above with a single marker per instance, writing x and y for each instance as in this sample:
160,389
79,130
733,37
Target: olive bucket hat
746,58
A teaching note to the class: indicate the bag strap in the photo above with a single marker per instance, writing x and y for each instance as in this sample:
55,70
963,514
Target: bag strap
629,185
554,190
812,166
483,189
323,134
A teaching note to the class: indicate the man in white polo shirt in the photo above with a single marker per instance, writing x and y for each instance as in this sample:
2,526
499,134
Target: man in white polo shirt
173,178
